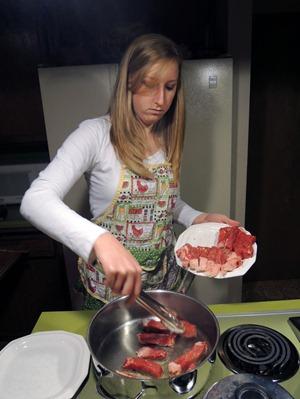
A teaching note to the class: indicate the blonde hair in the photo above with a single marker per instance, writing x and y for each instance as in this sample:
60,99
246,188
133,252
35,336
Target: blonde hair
127,133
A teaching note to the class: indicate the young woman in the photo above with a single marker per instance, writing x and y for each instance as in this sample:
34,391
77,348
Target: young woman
131,159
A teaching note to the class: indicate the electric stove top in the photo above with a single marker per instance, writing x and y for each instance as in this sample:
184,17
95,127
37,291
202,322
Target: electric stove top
271,314
258,343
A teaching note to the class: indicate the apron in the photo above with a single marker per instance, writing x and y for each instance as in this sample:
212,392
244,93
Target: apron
140,217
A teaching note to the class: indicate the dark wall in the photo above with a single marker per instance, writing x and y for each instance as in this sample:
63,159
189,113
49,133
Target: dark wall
273,189
74,32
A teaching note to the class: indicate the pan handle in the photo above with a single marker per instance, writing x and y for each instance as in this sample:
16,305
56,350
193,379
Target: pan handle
106,395
184,383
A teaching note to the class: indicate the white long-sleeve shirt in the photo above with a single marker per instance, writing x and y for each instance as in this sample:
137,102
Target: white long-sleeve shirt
88,150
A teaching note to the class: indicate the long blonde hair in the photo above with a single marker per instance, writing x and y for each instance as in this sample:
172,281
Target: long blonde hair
127,134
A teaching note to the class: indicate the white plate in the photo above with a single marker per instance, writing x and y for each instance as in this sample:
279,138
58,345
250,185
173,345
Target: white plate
44,365
206,235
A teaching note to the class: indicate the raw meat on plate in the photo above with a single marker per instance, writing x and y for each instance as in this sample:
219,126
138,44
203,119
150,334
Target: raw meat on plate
233,246
236,240
210,260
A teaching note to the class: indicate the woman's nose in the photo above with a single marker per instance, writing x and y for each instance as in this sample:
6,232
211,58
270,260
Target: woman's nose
160,96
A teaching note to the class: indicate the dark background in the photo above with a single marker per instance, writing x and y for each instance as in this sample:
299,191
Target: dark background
79,32
273,178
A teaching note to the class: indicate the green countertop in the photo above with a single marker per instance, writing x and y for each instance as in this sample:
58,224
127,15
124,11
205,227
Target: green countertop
78,321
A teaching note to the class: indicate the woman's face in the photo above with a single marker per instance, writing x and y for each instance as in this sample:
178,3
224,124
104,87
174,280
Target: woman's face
154,96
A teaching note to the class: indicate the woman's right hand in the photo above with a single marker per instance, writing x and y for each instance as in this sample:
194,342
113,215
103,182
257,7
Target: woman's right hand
121,269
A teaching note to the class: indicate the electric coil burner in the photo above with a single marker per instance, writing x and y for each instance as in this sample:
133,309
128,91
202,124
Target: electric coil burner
259,350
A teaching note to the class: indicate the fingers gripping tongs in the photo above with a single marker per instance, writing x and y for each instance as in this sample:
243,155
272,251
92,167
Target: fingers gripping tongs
167,317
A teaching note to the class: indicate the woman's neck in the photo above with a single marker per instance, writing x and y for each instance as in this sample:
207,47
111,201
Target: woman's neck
154,143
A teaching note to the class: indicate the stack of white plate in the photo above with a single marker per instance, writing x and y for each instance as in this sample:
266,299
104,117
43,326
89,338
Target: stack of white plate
44,365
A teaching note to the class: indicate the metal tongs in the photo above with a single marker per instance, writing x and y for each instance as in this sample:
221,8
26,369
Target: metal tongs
163,313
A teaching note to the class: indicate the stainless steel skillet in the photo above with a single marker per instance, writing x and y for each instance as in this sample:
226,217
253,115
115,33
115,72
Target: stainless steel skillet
112,338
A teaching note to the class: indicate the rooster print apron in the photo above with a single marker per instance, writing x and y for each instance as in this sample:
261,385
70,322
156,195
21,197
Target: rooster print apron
140,217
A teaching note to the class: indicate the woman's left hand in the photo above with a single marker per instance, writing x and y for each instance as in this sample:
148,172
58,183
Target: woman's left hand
215,217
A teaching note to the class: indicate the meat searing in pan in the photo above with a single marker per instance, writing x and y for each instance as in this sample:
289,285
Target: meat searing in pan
187,361
144,366
151,325
146,358
152,353
190,330
157,339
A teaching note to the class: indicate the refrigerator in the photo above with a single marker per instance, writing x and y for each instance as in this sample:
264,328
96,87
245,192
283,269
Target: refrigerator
74,93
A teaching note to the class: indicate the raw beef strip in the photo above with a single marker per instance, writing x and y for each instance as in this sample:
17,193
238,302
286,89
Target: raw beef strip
243,245
235,239
190,330
186,253
188,360
212,268
194,264
157,339
233,261
227,236
144,366
154,326
152,353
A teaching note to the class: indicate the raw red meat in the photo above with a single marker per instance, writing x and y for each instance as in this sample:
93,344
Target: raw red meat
243,245
227,236
144,366
237,240
152,353
190,330
154,326
157,339
187,361
233,246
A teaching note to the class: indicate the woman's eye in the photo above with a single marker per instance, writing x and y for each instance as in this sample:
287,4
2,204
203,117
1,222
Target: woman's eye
171,87
149,85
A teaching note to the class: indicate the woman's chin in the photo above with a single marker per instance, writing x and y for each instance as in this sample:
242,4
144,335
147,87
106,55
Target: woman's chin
151,120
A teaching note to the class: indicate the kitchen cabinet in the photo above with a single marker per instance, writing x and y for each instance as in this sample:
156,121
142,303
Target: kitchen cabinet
32,278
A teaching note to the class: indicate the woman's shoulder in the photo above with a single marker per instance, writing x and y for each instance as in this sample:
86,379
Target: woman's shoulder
100,125
95,130
92,136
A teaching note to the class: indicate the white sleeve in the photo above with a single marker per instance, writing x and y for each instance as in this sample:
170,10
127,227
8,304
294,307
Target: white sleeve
184,214
43,205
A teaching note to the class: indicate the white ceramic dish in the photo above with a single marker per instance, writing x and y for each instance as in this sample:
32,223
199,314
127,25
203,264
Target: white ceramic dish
44,365
206,235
